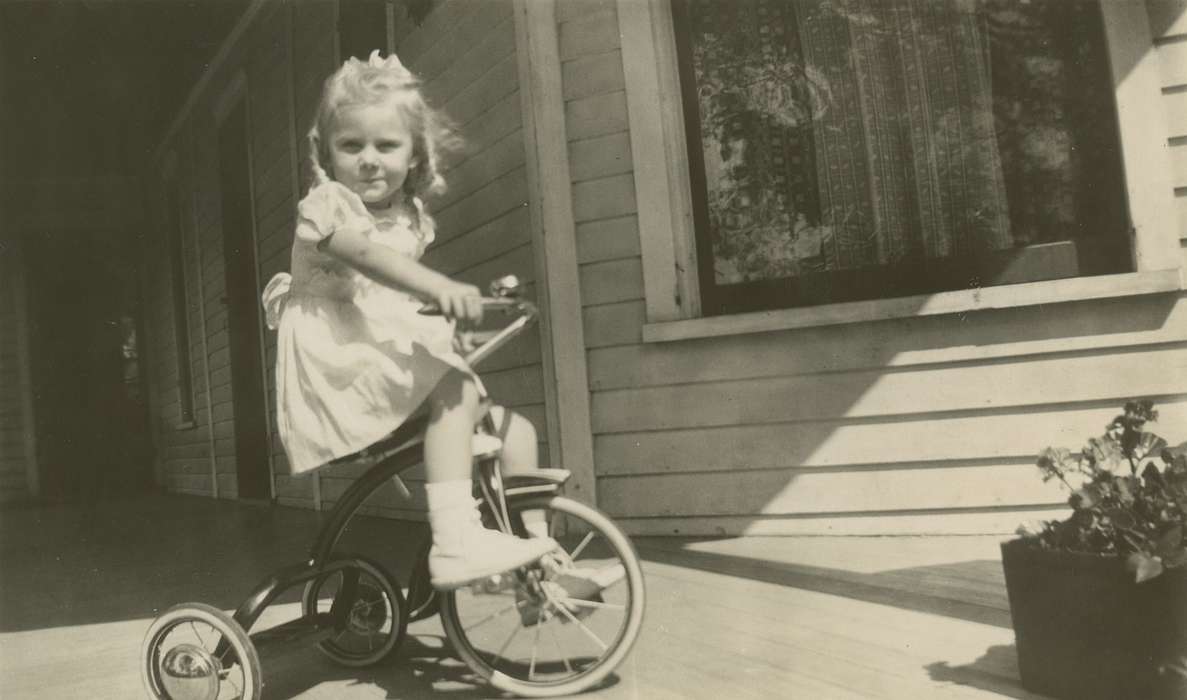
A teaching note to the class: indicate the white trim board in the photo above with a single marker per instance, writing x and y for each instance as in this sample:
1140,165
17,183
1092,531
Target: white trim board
554,240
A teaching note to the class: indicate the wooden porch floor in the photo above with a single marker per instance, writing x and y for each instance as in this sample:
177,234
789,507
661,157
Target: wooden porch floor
741,618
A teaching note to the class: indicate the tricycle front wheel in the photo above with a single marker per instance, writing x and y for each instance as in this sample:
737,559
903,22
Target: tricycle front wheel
543,631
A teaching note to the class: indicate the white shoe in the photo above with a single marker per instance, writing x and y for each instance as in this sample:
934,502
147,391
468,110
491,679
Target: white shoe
475,553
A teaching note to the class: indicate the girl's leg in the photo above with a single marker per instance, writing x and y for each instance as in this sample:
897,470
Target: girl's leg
454,407
519,454
463,550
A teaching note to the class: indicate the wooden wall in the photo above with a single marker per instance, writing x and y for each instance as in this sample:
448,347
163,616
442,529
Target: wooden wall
465,53
278,81
912,425
17,452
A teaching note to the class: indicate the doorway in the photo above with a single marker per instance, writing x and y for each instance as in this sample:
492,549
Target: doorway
89,401
243,306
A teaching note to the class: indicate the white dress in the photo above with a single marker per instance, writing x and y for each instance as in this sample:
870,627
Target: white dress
354,358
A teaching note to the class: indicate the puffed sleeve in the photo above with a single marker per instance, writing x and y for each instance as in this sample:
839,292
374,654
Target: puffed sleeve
327,208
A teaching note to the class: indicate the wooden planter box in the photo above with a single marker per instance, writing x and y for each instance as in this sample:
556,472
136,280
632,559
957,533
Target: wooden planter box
1086,631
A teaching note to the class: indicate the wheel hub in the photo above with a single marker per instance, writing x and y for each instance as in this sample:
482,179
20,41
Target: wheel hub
189,672
367,615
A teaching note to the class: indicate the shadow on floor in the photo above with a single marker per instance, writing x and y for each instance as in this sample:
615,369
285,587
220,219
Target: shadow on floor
986,673
125,559
966,590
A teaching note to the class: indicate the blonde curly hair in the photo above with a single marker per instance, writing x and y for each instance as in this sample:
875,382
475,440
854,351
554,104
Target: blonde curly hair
376,81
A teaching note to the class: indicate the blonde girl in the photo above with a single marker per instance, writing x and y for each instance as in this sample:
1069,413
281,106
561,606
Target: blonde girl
355,359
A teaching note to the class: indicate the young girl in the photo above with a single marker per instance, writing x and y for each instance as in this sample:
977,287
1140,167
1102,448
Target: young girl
354,358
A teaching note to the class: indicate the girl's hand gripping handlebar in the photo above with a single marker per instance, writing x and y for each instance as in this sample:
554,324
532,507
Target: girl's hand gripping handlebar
505,299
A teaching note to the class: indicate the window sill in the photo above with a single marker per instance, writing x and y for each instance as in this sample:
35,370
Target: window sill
962,301
186,425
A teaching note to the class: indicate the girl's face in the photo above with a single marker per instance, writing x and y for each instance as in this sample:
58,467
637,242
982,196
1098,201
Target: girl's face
371,152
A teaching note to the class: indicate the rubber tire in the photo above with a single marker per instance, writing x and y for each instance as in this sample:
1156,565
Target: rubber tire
391,588
248,658
455,632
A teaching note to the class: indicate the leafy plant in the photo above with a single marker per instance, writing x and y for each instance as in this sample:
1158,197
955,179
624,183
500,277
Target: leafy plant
1129,496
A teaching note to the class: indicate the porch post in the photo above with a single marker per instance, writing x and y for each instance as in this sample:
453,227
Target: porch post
554,241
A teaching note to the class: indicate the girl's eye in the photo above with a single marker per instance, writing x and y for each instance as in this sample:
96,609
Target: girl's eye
350,146
388,146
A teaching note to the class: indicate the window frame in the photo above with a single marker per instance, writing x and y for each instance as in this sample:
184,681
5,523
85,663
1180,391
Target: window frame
667,235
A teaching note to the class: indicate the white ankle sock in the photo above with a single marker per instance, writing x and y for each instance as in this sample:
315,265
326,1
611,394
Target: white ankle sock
444,495
452,510
535,523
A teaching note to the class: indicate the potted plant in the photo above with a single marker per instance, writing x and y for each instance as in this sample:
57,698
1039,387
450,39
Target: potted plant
1099,600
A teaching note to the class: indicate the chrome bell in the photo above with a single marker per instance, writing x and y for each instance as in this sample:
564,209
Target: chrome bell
189,672
504,287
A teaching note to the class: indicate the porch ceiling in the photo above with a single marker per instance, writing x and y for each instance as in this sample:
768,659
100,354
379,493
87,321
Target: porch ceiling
88,86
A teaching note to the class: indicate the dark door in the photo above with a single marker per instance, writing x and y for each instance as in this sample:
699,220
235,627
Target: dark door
243,304
89,404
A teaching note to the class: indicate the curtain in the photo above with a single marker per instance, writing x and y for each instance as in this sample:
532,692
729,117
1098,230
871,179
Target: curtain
841,134
906,156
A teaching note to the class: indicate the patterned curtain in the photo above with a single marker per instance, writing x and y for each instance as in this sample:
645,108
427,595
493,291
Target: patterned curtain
849,134
906,157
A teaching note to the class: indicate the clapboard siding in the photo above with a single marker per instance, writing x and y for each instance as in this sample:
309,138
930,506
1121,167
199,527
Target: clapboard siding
470,57
17,456
1120,323
600,156
596,115
1172,57
925,424
1003,384
608,239
273,188
568,10
481,243
967,437
768,492
586,76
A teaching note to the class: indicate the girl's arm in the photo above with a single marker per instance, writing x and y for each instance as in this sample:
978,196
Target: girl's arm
458,301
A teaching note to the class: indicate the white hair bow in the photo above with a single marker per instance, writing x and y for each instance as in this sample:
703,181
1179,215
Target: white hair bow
390,65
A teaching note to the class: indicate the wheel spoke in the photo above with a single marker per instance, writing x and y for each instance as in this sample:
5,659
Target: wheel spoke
535,646
198,634
495,614
592,604
589,633
556,642
514,631
577,552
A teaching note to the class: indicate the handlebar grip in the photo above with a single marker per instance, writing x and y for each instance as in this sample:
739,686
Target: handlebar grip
431,308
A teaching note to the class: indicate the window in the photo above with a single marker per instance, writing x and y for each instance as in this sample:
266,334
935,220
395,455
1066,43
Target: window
844,150
660,153
181,324
362,28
